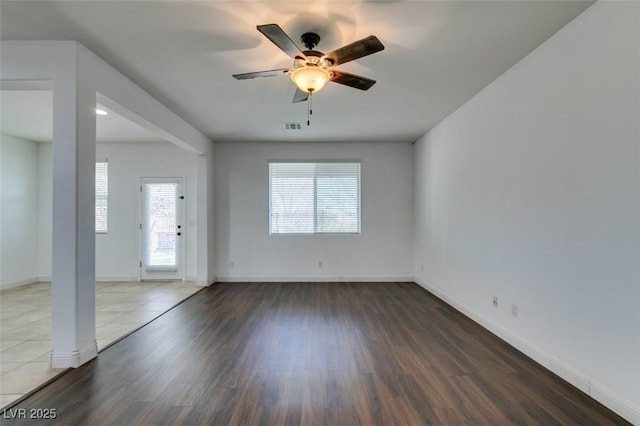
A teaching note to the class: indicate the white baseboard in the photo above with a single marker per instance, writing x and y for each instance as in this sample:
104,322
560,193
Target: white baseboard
598,392
25,281
314,278
117,278
13,284
74,358
123,278
102,278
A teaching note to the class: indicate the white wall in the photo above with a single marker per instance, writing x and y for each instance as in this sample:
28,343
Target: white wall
118,251
382,252
531,192
18,211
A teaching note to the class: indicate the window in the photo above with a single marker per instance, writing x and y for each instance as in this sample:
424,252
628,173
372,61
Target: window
314,198
102,192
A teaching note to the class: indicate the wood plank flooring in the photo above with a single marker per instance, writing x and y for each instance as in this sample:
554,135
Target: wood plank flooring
313,354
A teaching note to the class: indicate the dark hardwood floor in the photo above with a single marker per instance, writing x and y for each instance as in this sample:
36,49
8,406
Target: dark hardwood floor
313,354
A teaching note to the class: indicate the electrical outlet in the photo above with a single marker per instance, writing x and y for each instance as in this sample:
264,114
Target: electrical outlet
514,310
495,301
422,267
232,264
320,264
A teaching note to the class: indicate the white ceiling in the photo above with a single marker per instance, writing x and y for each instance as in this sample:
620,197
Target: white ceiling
438,55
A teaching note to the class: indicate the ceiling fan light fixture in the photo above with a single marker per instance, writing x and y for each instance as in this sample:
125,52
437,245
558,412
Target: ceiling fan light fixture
310,79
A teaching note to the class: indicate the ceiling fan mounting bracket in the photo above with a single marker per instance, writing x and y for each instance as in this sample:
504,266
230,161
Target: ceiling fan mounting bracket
310,40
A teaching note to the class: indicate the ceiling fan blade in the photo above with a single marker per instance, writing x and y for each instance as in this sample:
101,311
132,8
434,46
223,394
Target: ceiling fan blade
270,73
352,80
355,50
277,35
299,96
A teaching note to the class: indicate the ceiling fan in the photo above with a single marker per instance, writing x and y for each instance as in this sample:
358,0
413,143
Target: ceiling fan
311,68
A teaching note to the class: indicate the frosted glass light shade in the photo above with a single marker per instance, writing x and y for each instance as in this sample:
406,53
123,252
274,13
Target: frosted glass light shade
310,79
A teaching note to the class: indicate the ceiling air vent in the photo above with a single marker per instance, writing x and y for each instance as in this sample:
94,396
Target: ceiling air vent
292,126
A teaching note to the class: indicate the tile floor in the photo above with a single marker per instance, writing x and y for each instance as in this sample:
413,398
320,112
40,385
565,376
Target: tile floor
25,325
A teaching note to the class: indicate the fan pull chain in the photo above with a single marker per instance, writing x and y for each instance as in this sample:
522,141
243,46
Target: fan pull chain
309,109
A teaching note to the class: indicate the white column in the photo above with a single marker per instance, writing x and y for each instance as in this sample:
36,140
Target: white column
73,260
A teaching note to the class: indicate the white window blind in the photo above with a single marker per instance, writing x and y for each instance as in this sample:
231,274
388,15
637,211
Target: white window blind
102,195
314,198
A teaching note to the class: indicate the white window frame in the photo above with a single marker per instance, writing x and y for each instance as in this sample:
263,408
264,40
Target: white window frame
315,200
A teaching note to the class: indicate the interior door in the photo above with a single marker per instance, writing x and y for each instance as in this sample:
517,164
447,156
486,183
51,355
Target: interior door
162,230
